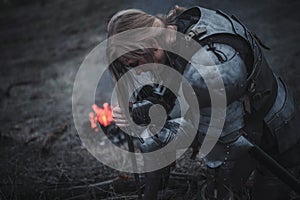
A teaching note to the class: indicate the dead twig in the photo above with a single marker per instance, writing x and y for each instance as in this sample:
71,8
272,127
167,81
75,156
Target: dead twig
13,85
54,137
107,182
122,197
185,176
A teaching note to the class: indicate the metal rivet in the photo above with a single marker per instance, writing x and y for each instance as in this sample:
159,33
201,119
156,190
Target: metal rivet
225,158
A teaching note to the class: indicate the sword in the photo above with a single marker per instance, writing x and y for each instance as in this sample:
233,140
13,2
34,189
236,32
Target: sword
278,170
131,147
134,165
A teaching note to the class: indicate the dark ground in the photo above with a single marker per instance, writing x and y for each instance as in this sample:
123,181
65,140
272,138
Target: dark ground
42,45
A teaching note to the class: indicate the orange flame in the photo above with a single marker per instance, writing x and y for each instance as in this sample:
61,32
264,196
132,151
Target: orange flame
101,115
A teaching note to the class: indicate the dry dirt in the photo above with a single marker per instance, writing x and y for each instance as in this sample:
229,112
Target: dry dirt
42,46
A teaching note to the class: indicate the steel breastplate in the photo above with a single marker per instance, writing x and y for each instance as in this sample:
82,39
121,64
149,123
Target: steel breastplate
263,90
217,27
209,26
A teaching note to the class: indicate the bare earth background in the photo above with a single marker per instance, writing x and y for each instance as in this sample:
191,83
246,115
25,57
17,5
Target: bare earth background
42,45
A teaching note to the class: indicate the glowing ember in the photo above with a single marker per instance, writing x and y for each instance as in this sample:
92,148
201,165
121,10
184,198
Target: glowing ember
101,115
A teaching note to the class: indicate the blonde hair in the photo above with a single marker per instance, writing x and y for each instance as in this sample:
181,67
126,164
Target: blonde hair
133,19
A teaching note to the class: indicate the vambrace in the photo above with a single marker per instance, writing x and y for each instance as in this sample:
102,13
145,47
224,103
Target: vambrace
178,133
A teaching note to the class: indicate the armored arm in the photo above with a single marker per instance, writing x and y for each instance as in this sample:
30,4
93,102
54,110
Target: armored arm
209,64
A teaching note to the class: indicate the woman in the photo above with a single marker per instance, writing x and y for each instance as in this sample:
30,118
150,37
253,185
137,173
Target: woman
259,107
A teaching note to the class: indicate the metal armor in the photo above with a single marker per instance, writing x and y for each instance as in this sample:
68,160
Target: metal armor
263,98
258,102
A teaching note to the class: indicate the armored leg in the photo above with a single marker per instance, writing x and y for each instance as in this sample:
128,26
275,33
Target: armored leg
230,166
172,131
155,181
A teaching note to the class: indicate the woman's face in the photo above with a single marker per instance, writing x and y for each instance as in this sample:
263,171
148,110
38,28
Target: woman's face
158,57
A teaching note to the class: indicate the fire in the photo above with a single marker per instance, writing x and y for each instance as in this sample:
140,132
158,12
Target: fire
101,115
